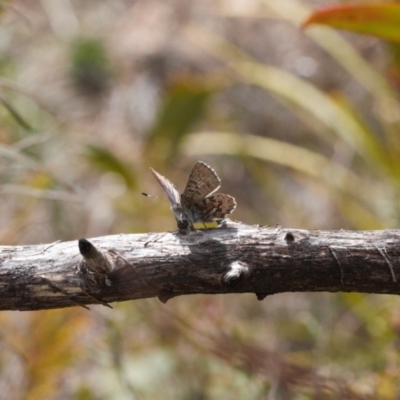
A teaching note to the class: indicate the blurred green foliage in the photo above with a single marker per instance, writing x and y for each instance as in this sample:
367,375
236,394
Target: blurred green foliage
104,160
90,66
327,141
182,107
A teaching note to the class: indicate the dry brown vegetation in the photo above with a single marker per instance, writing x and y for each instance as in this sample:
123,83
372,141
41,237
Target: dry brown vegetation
302,131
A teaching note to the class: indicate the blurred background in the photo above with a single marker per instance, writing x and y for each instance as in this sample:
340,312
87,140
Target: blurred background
301,125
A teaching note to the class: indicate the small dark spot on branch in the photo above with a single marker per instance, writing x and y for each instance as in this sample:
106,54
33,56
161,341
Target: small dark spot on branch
289,237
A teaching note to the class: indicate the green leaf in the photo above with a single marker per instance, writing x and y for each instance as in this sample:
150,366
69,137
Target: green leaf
378,20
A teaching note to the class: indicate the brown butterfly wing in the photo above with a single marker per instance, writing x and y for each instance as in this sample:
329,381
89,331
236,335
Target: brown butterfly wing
203,181
212,208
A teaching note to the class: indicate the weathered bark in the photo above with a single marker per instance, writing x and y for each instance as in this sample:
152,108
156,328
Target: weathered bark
234,258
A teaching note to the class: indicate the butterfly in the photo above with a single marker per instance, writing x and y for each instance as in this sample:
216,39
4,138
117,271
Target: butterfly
197,203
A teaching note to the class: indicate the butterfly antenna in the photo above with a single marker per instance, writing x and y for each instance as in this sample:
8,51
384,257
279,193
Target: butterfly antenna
149,195
153,196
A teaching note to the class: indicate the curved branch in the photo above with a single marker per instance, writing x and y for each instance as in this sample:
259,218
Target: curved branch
234,258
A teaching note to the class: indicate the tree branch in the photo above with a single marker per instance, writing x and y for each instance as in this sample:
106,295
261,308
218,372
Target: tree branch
234,258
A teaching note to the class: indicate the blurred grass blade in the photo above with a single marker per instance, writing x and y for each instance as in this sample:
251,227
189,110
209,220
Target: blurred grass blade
105,160
182,108
10,85
299,160
339,48
333,43
15,113
380,20
32,140
359,214
383,155
267,149
302,98
47,194
22,159
28,162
